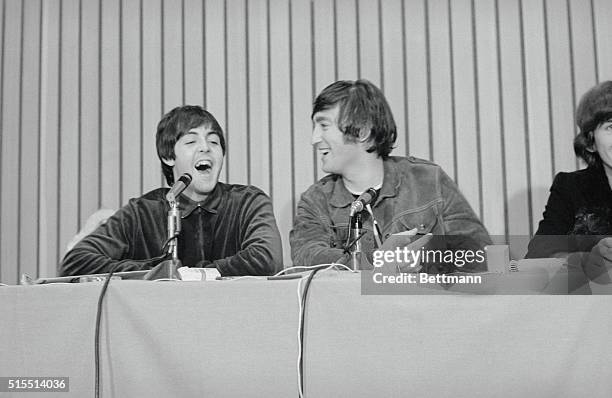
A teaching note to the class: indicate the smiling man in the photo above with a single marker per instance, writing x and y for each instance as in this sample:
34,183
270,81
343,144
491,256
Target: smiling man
228,227
354,132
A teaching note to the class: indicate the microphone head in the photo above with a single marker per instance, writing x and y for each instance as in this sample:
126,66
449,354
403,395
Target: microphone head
373,195
186,179
178,187
369,196
356,207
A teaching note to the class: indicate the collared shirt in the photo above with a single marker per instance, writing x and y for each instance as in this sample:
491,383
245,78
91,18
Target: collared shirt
234,230
415,194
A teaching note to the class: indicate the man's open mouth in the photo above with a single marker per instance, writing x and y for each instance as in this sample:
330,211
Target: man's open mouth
203,165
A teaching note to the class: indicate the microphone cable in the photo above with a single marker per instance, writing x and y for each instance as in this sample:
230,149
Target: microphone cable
302,299
351,243
375,227
167,242
97,331
302,319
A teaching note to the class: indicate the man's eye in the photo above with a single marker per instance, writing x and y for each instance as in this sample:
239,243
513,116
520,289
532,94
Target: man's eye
214,142
190,142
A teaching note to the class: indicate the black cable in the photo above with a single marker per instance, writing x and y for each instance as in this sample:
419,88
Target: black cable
302,321
350,244
170,239
99,316
97,332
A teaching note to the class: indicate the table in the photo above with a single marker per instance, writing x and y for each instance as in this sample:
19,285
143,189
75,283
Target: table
239,339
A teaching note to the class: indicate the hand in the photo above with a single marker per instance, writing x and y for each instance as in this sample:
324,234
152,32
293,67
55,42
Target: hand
415,247
401,258
598,263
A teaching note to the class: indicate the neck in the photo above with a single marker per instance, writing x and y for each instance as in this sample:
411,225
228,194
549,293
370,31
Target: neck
195,196
369,173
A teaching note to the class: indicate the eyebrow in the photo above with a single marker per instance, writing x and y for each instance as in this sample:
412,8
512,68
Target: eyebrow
322,118
207,134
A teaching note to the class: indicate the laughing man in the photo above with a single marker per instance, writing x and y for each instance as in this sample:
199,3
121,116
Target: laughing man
354,132
228,227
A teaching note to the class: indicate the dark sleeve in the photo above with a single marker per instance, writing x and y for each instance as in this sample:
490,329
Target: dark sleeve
261,251
310,236
111,245
461,225
557,220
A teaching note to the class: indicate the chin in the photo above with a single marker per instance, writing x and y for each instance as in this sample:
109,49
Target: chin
330,170
204,189
326,168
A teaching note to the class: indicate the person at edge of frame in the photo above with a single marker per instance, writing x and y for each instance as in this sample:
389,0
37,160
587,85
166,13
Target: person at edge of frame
577,219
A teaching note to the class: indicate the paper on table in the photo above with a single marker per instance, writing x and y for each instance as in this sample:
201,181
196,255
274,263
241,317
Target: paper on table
409,240
406,239
198,274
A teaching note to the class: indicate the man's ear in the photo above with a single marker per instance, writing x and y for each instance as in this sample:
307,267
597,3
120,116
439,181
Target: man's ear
591,148
364,135
169,162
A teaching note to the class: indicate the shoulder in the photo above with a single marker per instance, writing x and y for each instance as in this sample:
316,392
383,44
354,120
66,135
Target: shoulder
578,175
154,197
586,186
324,186
411,161
242,193
412,164
573,179
239,189
150,202
413,170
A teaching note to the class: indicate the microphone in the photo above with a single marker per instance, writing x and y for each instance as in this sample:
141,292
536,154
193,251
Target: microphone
178,187
355,232
168,269
364,199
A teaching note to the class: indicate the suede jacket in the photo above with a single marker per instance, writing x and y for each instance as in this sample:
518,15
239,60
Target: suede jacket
234,230
415,194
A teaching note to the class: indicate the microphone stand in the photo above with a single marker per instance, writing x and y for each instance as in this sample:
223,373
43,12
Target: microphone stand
168,269
355,231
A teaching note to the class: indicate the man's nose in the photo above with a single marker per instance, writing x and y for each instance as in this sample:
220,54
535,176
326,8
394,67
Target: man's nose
316,136
203,146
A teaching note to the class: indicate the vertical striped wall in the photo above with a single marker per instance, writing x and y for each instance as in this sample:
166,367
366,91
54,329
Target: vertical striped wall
485,88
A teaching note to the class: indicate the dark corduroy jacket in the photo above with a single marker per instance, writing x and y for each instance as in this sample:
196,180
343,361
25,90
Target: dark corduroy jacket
234,230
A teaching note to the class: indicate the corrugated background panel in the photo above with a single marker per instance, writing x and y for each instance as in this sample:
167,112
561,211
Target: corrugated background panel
485,88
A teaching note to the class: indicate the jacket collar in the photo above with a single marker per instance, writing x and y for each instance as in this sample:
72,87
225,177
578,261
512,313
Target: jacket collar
341,197
210,204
